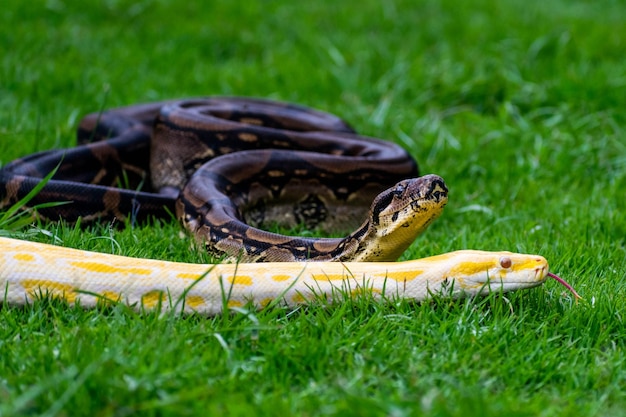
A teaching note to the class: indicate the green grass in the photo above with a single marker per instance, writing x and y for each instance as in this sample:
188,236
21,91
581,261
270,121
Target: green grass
519,105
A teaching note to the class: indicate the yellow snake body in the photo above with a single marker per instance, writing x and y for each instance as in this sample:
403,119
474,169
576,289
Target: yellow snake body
28,270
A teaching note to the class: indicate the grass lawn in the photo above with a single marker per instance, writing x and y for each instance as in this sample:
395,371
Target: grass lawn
518,104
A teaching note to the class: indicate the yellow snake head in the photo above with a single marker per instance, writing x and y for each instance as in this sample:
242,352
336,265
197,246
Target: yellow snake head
478,272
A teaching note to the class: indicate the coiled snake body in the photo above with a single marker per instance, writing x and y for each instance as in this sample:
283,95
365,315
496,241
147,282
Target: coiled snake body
226,166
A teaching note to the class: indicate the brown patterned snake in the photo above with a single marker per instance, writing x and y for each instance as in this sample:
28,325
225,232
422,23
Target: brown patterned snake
227,166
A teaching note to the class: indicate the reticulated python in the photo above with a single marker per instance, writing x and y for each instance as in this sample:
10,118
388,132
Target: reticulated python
226,166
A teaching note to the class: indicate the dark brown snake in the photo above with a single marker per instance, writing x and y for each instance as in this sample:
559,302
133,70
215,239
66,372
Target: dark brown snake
227,166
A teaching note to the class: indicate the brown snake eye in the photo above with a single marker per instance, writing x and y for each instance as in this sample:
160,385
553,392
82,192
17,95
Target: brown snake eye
505,262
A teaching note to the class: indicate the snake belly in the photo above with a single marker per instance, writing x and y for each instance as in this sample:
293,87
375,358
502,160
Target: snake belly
228,167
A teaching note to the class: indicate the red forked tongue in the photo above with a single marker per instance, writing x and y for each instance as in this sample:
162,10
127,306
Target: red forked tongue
565,284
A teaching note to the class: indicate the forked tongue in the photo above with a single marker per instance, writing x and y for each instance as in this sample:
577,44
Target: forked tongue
565,284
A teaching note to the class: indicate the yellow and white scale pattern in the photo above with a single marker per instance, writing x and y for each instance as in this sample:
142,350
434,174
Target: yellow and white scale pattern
29,269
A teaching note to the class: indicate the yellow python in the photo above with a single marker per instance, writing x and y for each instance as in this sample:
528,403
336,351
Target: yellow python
30,269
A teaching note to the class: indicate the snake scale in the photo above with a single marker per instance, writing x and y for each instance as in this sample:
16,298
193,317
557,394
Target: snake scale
228,167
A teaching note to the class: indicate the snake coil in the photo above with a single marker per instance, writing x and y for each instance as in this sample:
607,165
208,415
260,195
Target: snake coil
228,166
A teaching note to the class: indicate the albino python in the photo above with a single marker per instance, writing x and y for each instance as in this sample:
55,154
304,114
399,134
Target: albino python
227,166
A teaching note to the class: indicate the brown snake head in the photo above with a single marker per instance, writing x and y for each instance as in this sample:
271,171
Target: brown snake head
398,215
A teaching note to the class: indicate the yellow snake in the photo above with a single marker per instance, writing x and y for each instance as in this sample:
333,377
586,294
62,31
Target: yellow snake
28,270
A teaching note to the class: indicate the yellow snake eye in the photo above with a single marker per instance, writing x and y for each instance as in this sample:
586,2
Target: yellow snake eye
505,262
